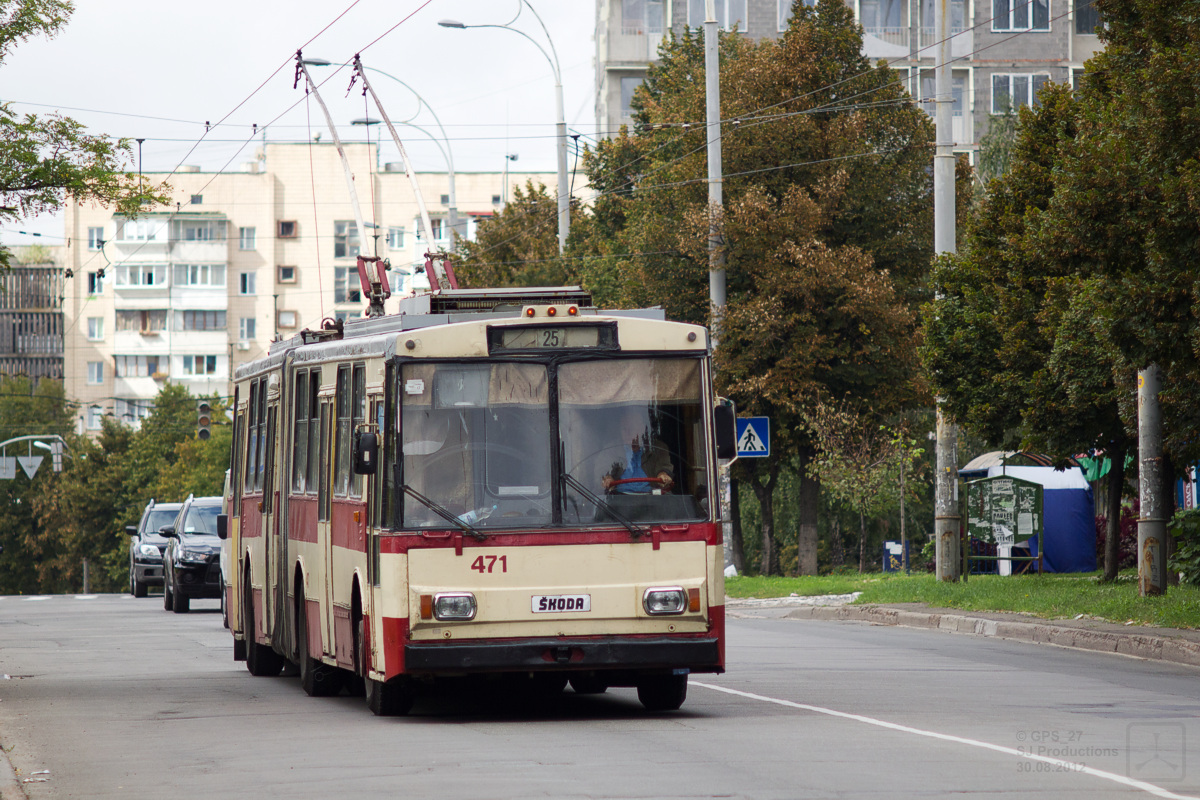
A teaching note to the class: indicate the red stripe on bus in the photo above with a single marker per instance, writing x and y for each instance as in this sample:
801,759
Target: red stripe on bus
347,532
251,523
302,519
716,621
709,533
395,634
312,621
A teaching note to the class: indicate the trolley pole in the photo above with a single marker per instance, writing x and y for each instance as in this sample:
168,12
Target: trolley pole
1152,524
946,517
716,253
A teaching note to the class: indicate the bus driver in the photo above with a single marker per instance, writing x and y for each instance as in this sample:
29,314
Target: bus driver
646,465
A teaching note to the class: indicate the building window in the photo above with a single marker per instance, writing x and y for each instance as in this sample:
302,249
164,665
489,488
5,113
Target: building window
137,366
139,230
95,282
95,413
628,87
730,13
245,238
197,199
785,11
199,365
287,319
438,227
246,328
287,274
1020,15
246,283
141,275
95,238
395,238
345,240
142,321
347,288
346,316
1011,91
445,199
131,412
95,372
200,275
1087,18
497,199
286,229
929,92
95,328
199,320
882,16
641,17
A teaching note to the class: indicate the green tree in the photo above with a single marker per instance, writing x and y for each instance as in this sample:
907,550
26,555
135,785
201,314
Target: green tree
827,227
517,247
46,160
860,463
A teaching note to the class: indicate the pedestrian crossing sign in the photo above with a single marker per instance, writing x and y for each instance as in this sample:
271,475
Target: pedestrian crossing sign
754,437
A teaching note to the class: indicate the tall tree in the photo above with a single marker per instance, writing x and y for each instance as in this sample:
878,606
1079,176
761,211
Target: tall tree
517,247
46,160
828,227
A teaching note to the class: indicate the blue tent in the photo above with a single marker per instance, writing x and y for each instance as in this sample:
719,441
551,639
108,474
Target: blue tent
1068,512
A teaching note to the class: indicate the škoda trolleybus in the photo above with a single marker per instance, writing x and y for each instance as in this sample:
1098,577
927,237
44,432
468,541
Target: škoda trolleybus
493,482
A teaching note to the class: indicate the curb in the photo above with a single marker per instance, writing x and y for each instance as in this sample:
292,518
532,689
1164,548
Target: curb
1175,650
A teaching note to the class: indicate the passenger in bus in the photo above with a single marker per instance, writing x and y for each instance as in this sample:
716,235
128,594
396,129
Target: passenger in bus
647,463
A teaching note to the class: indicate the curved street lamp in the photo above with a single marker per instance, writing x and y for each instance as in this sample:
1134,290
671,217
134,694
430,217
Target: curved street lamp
564,205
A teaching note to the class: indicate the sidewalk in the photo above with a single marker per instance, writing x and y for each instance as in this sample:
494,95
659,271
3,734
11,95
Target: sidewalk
1159,644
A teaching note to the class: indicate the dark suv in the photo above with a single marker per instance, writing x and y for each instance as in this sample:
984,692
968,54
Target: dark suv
192,562
146,546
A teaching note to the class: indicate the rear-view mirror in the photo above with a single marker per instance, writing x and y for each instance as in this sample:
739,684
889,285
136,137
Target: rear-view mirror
222,526
725,422
366,452
167,531
131,530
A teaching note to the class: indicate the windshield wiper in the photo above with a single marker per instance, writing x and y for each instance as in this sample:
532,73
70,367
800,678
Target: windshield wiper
633,529
444,513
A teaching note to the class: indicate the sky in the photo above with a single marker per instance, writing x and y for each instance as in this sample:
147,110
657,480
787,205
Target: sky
159,71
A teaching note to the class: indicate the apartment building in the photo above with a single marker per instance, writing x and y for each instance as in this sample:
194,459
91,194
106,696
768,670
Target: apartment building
31,321
186,293
1003,50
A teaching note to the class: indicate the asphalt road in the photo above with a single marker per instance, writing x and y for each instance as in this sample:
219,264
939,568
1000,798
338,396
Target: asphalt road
112,697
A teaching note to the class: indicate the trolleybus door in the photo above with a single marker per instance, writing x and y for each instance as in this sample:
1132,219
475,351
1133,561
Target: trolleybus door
272,602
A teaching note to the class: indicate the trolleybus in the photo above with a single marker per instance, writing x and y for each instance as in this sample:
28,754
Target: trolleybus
504,483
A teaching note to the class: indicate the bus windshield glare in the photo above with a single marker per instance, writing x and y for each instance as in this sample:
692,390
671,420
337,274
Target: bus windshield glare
477,443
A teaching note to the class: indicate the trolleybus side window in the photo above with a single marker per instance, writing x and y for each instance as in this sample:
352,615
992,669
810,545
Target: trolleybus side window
251,436
475,442
341,483
300,432
389,429
358,415
314,429
235,457
263,440
632,433
268,472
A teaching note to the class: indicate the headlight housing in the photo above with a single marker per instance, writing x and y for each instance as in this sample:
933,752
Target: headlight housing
664,600
454,606
150,551
190,554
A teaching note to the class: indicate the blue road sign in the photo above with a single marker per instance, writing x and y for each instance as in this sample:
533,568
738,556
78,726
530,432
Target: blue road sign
754,437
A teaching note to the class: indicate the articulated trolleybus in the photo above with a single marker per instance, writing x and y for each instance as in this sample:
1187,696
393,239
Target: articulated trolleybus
508,484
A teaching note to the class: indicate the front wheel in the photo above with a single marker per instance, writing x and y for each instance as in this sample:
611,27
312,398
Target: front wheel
261,660
317,678
662,692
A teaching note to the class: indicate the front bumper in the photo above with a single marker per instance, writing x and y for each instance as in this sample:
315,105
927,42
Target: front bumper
651,653
198,580
149,573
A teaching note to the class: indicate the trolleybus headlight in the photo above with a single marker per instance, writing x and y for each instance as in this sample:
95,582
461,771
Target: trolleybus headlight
454,606
658,600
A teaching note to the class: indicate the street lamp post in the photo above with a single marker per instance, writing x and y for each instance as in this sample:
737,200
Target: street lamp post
564,204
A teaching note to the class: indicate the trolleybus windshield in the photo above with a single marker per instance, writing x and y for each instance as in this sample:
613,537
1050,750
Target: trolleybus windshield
477,440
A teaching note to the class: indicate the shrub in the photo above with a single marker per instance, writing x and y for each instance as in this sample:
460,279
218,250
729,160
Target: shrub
1185,527
1128,551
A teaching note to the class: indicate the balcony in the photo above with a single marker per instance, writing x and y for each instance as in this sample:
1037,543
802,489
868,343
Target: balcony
960,42
634,43
890,43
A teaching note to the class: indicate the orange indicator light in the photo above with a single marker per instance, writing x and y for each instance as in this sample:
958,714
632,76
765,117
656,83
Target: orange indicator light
693,600
426,606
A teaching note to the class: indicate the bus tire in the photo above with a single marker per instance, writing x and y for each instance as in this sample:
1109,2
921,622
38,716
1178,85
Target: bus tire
662,692
261,660
392,699
317,678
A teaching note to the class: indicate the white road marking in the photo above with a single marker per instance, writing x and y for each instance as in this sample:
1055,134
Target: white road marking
86,596
1124,780
38,597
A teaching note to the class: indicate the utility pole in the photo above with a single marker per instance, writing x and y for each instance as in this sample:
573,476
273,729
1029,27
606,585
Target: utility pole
716,253
946,517
1152,524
